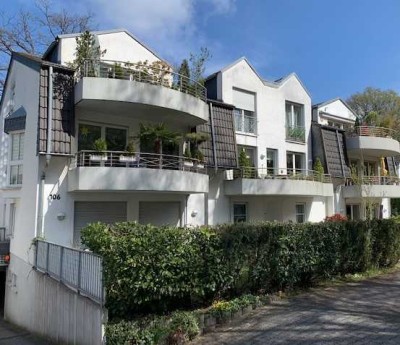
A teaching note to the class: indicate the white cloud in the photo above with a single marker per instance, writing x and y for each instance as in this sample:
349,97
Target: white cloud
222,6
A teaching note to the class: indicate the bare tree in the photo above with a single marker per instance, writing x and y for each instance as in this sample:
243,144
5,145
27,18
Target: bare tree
32,31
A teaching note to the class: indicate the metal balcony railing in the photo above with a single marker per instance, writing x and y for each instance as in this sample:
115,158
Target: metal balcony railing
156,74
374,180
245,123
80,270
296,133
282,174
372,131
123,159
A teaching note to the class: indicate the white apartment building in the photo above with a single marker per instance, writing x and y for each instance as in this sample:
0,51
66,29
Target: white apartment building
67,157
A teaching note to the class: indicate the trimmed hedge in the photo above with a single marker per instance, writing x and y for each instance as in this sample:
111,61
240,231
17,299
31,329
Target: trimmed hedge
150,269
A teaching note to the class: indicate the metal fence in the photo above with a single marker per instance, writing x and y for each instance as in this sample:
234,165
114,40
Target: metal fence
156,74
75,268
373,131
296,133
245,123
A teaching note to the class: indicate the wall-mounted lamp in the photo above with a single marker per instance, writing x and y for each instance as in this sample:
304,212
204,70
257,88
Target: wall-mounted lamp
61,216
194,213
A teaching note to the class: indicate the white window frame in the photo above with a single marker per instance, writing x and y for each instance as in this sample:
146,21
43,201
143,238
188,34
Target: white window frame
352,211
246,209
301,214
17,163
294,168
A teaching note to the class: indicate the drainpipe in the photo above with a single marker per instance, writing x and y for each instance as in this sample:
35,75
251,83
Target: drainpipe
213,138
49,116
40,220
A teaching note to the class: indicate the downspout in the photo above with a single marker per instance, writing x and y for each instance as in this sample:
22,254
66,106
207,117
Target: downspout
213,137
48,152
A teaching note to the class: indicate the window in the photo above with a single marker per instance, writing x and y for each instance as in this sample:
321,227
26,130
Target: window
294,163
295,122
272,157
116,138
250,154
245,121
11,220
239,213
16,158
369,169
300,213
353,212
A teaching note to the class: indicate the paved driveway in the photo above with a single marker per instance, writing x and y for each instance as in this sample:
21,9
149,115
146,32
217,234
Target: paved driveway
11,335
356,313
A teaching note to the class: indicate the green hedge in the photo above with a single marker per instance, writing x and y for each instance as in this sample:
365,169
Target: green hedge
151,270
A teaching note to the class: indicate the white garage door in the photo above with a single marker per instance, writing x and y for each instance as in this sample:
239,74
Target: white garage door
160,213
90,212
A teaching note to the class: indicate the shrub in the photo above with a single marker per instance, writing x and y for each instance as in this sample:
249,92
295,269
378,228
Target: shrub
151,269
337,217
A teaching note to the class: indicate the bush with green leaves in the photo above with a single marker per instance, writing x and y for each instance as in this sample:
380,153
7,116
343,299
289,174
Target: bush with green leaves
150,269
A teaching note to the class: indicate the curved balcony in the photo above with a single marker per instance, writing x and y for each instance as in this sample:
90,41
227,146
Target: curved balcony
146,91
252,181
141,172
372,142
373,187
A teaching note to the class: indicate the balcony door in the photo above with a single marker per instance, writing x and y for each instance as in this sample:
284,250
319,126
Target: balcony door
294,163
115,137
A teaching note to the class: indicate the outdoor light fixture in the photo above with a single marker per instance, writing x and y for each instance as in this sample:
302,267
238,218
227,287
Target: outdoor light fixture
61,216
194,213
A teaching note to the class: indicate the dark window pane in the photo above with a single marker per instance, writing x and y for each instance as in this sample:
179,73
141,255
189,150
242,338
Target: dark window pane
87,135
116,139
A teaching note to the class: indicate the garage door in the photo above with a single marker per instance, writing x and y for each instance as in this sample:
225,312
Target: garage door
89,212
160,213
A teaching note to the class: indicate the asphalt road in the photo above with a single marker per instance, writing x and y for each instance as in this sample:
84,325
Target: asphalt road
366,312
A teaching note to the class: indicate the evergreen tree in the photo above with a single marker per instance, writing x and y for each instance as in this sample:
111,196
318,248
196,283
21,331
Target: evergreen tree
184,76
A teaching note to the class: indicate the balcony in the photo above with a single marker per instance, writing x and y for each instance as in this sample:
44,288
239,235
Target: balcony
372,187
296,134
252,181
372,142
147,91
141,172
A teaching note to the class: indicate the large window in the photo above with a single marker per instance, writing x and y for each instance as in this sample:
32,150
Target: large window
245,121
115,137
300,213
295,130
272,162
16,158
239,213
294,162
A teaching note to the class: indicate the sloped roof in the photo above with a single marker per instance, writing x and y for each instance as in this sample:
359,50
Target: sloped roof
276,84
319,105
101,32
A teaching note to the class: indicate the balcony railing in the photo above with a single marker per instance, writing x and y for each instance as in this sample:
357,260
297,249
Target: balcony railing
282,174
371,131
374,180
155,74
123,159
296,133
245,124
80,270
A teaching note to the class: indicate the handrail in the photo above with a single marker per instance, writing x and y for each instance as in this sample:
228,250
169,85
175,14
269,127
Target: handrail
142,72
374,180
282,174
124,159
77,269
372,131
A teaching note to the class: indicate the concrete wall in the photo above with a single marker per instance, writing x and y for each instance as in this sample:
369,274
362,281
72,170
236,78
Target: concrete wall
43,306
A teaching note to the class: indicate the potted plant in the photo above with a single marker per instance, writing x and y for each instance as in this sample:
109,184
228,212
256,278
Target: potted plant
100,145
188,162
200,159
129,157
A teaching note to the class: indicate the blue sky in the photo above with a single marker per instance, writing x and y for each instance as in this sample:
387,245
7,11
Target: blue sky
337,47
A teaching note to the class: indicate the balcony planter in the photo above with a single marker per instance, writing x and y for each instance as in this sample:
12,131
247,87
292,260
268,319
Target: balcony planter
188,163
98,157
127,159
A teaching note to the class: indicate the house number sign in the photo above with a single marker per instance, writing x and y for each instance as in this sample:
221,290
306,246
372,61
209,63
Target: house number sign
54,197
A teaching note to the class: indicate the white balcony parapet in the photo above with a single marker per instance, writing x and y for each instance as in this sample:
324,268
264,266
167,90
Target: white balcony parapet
372,141
143,73
279,181
124,171
373,187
